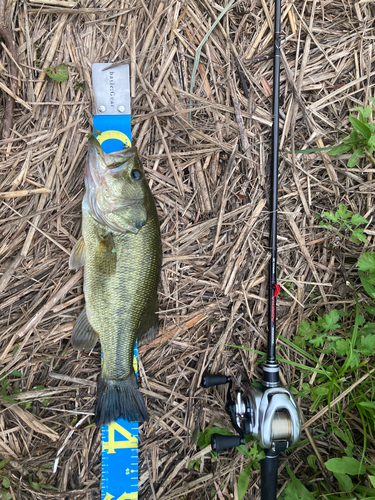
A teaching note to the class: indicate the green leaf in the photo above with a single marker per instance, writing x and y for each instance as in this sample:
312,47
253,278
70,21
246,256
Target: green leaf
372,478
343,347
329,321
361,127
367,345
3,463
9,399
353,160
295,490
6,482
361,320
80,86
307,329
371,141
327,226
320,391
364,113
366,262
16,373
34,485
355,359
194,464
368,404
343,314
343,212
311,460
60,75
353,138
331,216
345,436
357,219
339,150
345,481
370,309
368,329
345,465
319,340
242,449
358,236
372,100
367,286
306,389
243,481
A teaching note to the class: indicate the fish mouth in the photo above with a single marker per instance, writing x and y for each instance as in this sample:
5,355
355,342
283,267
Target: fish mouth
108,162
98,163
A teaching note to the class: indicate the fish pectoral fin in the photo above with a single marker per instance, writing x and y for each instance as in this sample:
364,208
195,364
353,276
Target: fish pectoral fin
78,256
84,337
106,255
149,326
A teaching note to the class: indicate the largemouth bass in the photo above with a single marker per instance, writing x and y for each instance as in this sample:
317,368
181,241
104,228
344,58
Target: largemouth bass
120,249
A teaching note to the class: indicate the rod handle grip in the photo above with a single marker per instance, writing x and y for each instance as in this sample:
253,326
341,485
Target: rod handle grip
220,443
210,380
268,475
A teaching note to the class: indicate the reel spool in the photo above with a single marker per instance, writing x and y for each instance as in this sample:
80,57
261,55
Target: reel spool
271,417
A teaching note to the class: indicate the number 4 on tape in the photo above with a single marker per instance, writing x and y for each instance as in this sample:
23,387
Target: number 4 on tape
119,439
125,496
112,445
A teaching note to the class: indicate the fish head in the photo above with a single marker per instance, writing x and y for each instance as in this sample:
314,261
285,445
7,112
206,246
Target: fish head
116,188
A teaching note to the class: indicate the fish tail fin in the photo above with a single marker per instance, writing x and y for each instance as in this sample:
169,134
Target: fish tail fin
119,399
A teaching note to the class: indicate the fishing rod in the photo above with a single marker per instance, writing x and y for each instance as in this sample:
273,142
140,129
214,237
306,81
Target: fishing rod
270,415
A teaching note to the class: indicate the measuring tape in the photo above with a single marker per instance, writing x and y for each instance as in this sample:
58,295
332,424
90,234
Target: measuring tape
119,439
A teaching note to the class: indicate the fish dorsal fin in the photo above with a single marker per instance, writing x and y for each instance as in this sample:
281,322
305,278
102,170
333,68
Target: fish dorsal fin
78,256
84,337
106,255
149,327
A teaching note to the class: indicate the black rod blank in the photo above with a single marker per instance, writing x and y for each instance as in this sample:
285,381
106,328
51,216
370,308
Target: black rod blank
270,368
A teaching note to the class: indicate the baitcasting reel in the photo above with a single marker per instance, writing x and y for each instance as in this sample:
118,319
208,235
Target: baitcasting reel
271,417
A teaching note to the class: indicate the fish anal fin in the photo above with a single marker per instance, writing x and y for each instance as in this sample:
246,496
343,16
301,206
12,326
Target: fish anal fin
106,255
78,256
84,337
149,326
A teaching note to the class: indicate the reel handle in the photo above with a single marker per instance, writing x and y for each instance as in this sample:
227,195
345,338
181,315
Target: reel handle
220,443
210,380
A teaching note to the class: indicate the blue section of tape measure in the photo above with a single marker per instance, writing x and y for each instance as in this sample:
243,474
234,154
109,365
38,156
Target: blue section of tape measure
120,438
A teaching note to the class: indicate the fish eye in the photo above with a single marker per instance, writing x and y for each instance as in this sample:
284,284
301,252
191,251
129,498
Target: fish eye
136,174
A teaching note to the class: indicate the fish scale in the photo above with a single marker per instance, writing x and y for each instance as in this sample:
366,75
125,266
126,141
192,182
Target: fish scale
118,303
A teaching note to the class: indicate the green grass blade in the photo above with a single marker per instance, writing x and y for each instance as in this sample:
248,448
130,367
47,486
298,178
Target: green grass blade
283,360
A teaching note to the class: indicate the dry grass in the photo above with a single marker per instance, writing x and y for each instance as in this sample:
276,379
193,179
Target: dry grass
209,177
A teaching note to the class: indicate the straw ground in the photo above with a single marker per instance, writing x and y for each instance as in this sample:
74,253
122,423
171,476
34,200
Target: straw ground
204,138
